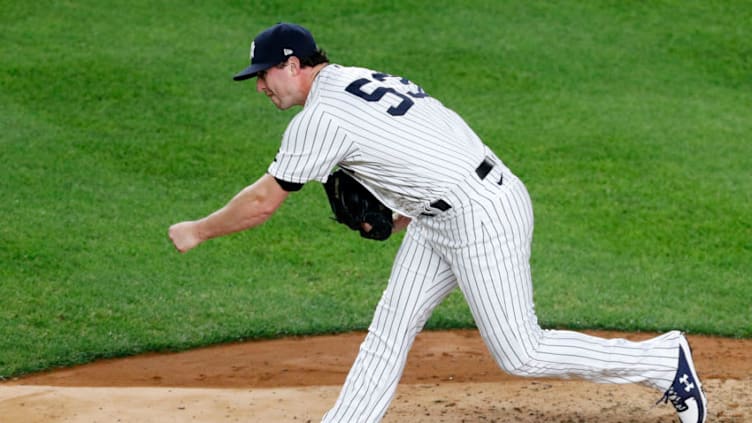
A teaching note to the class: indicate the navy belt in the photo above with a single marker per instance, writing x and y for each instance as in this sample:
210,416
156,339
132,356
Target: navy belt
482,171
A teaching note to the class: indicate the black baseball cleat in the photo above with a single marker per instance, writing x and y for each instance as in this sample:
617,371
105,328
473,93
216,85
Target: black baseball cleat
685,393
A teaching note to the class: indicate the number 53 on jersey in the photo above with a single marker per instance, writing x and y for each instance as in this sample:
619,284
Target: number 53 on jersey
381,90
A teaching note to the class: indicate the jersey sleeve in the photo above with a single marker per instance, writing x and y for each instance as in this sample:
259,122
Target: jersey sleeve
288,186
312,145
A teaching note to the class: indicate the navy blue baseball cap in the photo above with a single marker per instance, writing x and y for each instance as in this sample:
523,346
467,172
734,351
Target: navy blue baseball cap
275,45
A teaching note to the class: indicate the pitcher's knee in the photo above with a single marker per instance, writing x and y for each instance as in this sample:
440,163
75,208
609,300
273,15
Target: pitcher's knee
530,368
520,360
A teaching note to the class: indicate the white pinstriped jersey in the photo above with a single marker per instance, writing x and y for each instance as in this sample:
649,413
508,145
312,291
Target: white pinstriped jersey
403,145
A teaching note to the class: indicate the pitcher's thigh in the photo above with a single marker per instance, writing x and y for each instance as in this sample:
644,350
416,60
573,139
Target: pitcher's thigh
499,292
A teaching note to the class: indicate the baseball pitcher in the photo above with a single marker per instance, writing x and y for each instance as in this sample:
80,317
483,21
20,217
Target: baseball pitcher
393,157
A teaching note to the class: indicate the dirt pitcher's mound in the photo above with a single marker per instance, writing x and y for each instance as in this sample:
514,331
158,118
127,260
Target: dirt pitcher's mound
450,377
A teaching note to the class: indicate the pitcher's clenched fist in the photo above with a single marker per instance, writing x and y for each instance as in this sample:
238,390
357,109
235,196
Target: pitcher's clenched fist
185,235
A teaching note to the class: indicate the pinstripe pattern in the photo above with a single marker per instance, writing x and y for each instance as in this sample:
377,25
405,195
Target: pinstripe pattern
410,151
406,161
483,246
424,281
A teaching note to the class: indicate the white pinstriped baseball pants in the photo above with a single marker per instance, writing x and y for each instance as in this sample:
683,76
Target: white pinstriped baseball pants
482,244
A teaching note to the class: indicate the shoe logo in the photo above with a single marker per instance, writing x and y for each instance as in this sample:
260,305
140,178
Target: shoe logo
684,380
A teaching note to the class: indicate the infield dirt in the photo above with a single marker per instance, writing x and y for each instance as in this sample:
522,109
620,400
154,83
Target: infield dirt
450,377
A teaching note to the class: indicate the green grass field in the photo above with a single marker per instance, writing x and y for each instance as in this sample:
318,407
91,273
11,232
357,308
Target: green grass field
630,123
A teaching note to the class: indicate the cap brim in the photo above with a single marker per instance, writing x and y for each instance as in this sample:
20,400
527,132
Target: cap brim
251,71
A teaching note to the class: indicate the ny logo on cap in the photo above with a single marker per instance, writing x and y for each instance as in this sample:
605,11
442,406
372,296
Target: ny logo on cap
253,47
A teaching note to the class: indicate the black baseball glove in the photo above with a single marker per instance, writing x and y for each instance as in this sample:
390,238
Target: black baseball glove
353,205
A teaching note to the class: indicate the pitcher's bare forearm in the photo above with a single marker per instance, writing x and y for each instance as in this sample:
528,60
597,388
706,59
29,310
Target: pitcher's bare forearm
249,208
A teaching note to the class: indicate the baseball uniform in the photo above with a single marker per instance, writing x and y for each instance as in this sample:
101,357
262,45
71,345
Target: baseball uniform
472,228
